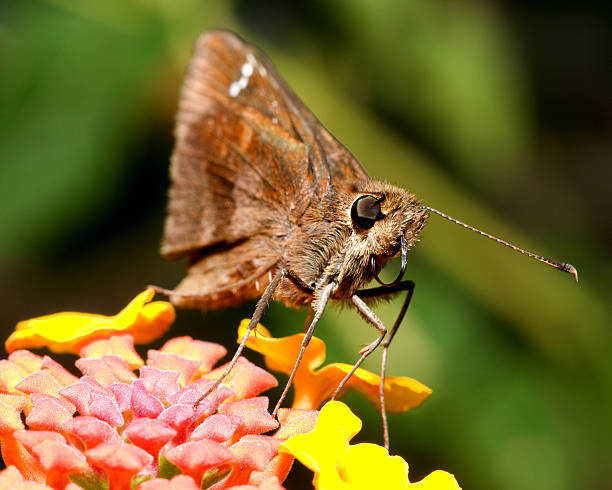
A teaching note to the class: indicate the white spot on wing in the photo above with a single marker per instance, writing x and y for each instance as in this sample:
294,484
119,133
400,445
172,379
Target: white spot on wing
234,89
246,71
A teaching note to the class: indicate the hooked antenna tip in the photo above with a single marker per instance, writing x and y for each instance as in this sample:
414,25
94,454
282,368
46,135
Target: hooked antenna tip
572,270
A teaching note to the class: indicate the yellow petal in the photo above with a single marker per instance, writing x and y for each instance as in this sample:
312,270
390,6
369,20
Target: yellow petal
339,466
69,331
152,322
437,480
322,449
370,466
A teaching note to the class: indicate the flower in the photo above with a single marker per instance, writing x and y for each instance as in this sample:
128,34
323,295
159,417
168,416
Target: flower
338,465
128,423
119,429
312,386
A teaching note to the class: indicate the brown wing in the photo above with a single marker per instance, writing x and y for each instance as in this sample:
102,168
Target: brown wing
249,158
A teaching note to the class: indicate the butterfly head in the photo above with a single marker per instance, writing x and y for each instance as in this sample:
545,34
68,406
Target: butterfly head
386,221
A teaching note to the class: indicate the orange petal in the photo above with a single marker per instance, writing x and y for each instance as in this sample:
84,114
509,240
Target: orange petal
68,332
312,387
280,354
14,454
401,393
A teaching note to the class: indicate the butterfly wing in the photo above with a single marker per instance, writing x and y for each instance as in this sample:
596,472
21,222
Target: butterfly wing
248,159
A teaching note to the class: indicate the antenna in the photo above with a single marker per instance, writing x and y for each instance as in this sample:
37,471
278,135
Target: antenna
562,266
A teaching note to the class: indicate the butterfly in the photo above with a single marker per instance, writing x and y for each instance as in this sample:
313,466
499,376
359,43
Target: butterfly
265,202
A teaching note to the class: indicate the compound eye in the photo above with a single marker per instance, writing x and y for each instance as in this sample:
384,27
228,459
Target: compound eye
366,211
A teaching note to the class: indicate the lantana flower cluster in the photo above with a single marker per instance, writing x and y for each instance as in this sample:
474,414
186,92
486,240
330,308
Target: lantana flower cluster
126,423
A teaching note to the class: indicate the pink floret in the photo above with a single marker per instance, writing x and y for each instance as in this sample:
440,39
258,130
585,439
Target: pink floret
48,412
254,452
173,362
218,427
106,370
161,384
194,458
11,407
59,372
30,438
251,453
119,461
121,345
182,415
39,382
123,395
90,431
193,392
60,457
79,394
254,414
105,407
245,379
149,434
295,421
207,353
143,403
29,361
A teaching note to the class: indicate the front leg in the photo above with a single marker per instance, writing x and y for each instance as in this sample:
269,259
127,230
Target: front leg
371,318
377,292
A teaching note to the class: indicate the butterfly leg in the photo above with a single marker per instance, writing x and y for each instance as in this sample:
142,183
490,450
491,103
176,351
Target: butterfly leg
318,312
259,309
371,317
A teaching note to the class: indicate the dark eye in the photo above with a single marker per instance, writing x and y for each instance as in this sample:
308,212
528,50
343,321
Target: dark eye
366,211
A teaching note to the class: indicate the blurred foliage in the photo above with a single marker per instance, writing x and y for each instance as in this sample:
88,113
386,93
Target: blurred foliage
497,115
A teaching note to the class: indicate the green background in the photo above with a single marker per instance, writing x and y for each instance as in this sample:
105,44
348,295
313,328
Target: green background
498,113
